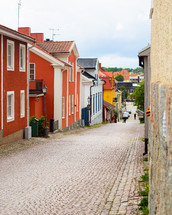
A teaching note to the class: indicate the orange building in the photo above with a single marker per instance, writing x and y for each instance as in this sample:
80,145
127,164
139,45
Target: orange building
54,63
14,85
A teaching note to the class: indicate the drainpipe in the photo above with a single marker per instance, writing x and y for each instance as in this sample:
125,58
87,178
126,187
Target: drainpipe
28,128
91,98
102,98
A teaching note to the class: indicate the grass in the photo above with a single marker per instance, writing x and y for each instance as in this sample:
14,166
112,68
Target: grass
144,206
145,159
145,192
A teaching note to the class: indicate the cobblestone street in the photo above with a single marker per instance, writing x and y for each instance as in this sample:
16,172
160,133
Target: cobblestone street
92,172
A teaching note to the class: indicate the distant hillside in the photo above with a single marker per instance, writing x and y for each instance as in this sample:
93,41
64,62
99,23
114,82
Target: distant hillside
115,69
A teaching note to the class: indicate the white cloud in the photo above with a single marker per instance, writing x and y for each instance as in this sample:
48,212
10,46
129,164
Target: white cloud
119,27
114,60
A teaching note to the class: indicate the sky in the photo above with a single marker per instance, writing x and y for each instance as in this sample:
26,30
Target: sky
114,31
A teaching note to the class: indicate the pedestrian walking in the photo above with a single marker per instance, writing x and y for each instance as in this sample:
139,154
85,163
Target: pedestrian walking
134,115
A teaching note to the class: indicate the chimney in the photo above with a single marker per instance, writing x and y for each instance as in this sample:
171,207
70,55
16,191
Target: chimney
25,30
38,36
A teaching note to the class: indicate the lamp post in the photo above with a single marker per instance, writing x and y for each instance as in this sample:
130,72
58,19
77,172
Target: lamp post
44,90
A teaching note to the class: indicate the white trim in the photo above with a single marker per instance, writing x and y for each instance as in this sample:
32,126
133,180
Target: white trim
67,100
69,104
46,56
2,71
34,71
11,118
72,103
11,68
63,107
22,103
8,34
22,48
73,71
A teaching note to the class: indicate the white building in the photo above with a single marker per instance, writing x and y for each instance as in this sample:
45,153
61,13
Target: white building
92,94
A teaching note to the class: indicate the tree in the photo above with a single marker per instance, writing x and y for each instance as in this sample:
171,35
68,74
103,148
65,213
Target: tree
124,93
119,77
139,97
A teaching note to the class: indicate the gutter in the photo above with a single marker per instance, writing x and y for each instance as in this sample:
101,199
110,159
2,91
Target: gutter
91,98
28,77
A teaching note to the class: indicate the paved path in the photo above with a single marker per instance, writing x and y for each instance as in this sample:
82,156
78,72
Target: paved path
92,172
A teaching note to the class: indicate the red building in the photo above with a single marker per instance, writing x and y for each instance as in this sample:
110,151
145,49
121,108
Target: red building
14,110
54,63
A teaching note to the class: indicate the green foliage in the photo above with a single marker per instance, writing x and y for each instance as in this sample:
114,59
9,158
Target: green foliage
145,177
124,93
41,125
141,120
118,69
145,192
116,113
145,159
119,77
144,206
139,97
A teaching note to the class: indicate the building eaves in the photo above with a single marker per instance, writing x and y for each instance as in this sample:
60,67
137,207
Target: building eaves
8,31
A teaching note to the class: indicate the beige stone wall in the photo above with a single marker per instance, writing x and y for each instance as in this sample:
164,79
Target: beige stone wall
160,142
161,42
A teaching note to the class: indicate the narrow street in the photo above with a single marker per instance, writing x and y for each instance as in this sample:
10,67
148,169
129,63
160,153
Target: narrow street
92,172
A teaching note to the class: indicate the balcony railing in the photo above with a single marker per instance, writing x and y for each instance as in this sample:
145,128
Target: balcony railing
35,86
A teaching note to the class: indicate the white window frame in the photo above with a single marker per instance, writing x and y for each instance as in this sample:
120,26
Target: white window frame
63,107
22,57
77,102
10,67
29,72
72,103
22,103
73,72
69,104
11,117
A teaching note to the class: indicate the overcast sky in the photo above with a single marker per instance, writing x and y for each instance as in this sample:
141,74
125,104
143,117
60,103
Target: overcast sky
112,30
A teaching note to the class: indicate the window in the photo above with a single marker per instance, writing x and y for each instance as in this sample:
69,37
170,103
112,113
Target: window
63,107
69,104
10,55
32,71
10,106
72,103
77,102
22,57
73,72
22,103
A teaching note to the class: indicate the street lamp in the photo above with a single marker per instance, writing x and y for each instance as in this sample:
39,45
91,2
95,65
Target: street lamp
44,90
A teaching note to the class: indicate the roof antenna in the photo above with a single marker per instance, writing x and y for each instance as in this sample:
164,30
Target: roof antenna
19,5
53,34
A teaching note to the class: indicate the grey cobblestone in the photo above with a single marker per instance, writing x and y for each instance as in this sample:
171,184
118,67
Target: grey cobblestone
92,172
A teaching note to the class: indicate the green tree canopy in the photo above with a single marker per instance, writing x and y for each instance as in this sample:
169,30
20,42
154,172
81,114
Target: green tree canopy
139,97
119,77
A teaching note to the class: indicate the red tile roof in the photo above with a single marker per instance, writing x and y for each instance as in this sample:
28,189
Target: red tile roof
66,64
56,46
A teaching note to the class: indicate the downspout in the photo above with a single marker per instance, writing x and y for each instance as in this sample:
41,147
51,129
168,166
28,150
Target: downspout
2,82
102,98
28,77
91,99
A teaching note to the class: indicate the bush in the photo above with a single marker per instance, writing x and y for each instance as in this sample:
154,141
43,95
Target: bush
116,114
41,125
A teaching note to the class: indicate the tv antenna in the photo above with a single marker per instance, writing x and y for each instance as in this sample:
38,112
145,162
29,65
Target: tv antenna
19,5
53,32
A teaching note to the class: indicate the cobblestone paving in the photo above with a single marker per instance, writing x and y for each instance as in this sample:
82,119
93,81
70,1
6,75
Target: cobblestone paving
92,172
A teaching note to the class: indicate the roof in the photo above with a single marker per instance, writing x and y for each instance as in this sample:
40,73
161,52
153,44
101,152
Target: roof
108,105
87,63
10,32
56,46
145,51
51,57
86,74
